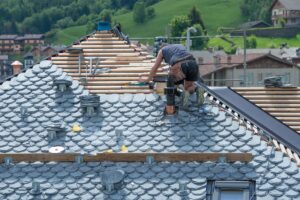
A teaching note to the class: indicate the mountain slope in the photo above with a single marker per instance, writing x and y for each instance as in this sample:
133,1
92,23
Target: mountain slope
215,13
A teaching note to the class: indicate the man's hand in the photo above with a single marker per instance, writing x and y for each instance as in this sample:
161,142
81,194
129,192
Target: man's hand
144,79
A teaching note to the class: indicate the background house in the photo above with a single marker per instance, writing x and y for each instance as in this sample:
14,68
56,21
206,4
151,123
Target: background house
254,24
8,43
229,70
287,10
15,43
39,52
291,54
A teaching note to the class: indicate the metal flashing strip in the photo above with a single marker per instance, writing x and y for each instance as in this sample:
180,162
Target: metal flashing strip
126,157
256,116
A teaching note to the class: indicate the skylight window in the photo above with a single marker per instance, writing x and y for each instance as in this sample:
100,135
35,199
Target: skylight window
231,190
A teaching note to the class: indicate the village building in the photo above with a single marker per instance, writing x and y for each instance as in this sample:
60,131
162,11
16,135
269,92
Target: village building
229,70
286,11
16,44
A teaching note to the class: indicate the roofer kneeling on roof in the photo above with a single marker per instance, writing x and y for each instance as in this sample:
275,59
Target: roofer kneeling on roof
184,69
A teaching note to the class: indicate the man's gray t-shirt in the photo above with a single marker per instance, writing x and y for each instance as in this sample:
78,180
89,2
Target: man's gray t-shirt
174,52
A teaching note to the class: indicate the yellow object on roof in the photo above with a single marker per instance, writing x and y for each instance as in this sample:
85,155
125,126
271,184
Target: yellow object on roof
124,149
76,128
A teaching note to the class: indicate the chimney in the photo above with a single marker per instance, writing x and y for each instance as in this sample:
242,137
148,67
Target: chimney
200,60
217,61
229,58
17,67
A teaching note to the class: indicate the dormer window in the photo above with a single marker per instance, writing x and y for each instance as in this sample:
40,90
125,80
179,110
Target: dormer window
230,190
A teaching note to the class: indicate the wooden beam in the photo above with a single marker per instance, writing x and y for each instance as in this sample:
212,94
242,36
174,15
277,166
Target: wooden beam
263,88
127,91
128,157
105,55
267,101
284,97
123,87
115,46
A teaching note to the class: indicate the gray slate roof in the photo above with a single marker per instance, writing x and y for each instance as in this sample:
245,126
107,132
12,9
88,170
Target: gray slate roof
291,4
140,116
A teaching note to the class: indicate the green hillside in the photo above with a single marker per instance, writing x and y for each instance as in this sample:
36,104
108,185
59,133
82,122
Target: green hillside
68,35
215,13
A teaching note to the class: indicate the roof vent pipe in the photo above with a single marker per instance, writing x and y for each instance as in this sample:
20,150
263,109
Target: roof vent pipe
112,180
90,104
54,130
149,160
119,134
36,188
79,159
62,84
7,161
23,112
183,188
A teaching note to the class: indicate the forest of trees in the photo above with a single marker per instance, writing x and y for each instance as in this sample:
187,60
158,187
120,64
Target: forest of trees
40,16
257,10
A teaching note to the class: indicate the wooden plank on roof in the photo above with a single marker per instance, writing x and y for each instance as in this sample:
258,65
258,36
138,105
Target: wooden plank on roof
101,66
274,92
285,114
111,47
278,105
265,101
279,110
90,81
108,55
296,119
264,88
127,91
135,74
103,42
128,157
124,87
281,97
87,62
87,50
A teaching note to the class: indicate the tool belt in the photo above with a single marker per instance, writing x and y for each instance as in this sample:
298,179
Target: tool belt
187,58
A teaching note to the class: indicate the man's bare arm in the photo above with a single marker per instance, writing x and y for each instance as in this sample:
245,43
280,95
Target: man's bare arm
156,65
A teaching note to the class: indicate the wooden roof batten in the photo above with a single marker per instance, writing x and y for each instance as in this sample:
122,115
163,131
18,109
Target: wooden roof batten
124,64
282,103
125,157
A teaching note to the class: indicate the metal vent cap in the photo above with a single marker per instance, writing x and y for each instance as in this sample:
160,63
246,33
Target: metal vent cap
112,180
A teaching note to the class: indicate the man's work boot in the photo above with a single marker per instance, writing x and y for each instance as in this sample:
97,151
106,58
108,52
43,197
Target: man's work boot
200,95
185,99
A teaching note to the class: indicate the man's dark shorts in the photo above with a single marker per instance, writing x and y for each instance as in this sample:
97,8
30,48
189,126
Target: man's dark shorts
191,71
